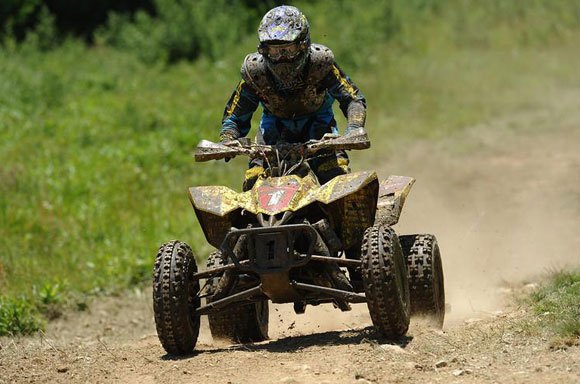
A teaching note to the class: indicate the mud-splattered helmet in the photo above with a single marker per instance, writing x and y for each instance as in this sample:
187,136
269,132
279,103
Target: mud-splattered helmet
284,36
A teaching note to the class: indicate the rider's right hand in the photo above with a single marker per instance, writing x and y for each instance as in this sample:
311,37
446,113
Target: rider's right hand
229,139
228,135
230,143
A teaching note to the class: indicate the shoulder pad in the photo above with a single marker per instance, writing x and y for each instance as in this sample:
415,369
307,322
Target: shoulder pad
254,70
321,61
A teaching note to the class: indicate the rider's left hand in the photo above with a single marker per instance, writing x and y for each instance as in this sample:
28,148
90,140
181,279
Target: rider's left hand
351,129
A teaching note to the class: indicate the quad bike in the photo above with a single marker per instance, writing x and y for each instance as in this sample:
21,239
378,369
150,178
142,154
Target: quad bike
291,240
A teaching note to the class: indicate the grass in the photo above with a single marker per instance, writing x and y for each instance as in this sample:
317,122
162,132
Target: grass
95,145
18,316
95,154
440,93
556,306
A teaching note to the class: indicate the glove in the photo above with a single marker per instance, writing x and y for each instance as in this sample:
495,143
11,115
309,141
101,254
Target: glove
228,135
355,131
352,128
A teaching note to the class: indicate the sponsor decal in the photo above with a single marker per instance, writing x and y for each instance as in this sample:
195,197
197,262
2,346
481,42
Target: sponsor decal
276,198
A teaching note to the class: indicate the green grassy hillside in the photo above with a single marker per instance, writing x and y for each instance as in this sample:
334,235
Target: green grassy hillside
95,143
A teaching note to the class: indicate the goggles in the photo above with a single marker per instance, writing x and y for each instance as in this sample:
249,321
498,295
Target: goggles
280,53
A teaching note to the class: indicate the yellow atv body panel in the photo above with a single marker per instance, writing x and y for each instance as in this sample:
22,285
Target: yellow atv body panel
351,201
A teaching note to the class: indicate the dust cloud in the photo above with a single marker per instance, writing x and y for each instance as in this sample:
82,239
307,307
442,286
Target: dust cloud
504,203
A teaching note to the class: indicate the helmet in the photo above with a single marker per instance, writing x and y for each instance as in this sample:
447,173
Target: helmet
284,36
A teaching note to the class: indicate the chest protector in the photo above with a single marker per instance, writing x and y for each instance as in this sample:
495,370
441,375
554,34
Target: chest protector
305,98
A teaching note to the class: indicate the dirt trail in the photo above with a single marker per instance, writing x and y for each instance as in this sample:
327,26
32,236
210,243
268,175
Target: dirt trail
504,201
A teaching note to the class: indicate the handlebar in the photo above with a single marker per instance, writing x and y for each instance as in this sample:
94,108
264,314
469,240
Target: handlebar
207,150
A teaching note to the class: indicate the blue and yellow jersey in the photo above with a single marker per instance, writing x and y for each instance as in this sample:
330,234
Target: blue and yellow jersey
310,102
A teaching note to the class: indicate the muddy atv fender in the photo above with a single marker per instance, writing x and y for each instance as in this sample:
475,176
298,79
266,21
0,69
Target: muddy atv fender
352,198
392,194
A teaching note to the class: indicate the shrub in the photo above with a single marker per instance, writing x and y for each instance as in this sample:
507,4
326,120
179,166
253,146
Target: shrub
556,303
17,316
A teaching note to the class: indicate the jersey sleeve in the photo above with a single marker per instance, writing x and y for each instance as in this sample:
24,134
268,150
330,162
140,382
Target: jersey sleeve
351,100
239,110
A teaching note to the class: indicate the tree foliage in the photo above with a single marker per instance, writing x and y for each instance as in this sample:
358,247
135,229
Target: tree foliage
173,30
71,17
155,30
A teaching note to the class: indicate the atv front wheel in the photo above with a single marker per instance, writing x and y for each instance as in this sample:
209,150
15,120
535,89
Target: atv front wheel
240,323
425,276
385,281
175,298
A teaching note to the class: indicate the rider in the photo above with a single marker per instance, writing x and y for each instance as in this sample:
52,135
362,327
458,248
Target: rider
296,82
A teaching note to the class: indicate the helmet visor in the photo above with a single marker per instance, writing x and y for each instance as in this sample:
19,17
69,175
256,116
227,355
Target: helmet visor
282,53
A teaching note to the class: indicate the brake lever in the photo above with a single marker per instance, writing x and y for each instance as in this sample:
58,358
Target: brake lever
330,136
232,144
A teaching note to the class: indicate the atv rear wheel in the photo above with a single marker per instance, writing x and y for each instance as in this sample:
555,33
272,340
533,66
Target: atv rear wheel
425,276
175,298
243,323
385,281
